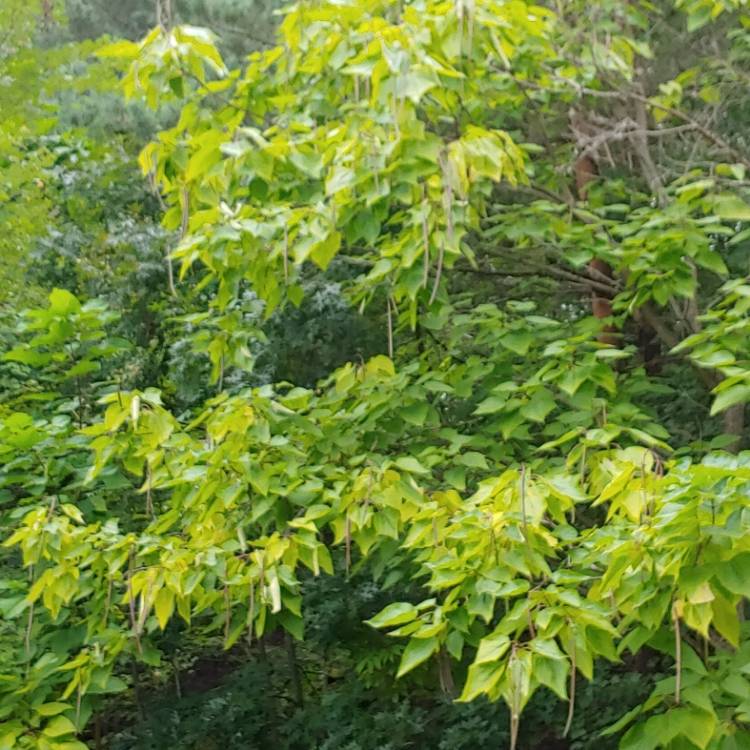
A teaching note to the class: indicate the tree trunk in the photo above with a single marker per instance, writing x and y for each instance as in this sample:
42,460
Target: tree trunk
601,306
734,424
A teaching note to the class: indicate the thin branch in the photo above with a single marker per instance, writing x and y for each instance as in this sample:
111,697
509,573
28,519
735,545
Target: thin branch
709,135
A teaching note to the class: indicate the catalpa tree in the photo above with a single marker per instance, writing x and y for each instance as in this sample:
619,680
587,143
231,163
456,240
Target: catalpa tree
547,209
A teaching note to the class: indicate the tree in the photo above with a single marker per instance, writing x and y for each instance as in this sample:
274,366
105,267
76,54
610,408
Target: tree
506,459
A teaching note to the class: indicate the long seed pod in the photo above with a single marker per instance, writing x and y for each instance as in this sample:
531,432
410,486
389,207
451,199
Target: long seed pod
251,614
286,254
449,212
677,656
151,177
460,17
572,689
522,482
515,713
149,498
131,603
177,681
27,635
348,542
108,601
438,273
227,615
445,674
145,606
644,485
514,724
470,8
448,207
530,622
425,242
185,214
390,325
79,700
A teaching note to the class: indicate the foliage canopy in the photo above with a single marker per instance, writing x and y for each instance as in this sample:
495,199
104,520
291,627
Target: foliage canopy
535,488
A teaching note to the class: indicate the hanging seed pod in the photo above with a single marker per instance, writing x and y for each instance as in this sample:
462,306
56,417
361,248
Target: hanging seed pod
438,273
29,628
135,411
522,492
227,615
131,602
425,239
250,614
515,697
348,542
149,498
389,320
286,254
460,16
108,601
676,614
572,688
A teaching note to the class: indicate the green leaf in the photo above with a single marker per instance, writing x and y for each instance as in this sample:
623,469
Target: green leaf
731,207
62,302
164,606
59,726
736,394
52,709
539,406
492,648
394,614
456,477
734,574
418,650
726,620
324,252
491,405
414,85
339,179
122,48
481,678
410,464
518,342
552,673
694,724
415,413
473,460
28,357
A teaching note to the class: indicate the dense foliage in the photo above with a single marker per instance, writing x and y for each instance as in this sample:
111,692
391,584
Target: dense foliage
381,386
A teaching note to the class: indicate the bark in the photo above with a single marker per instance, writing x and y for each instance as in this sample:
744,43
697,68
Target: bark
734,417
734,424
601,303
